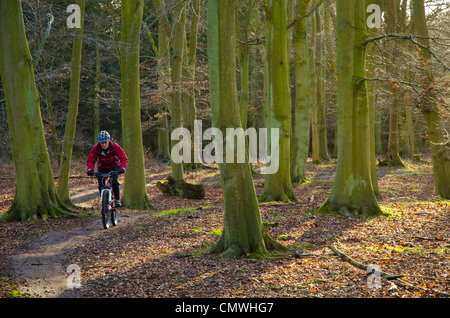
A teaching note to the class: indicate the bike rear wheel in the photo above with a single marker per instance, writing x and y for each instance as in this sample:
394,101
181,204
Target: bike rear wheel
105,209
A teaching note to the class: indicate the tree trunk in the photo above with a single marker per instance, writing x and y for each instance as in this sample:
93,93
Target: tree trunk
277,186
352,189
98,69
188,97
321,91
314,95
370,66
392,154
135,194
243,57
36,196
72,114
179,17
243,230
51,116
302,113
429,106
164,31
409,115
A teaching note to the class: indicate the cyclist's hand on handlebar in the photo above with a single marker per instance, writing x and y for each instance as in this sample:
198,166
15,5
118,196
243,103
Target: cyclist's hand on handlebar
121,170
90,172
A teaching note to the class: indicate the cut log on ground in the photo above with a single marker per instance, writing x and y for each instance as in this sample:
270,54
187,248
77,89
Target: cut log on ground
181,189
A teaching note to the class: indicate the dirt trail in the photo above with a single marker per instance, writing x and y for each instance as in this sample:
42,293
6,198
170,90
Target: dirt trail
42,267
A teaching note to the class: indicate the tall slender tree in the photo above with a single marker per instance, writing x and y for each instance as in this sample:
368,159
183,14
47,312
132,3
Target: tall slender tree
243,230
392,9
352,189
36,196
179,17
188,96
135,194
164,33
321,88
72,114
277,186
302,111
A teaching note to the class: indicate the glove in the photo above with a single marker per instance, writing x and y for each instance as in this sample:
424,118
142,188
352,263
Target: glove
121,170
90,172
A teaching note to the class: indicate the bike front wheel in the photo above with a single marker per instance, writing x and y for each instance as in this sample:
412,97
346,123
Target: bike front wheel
105,209
114,216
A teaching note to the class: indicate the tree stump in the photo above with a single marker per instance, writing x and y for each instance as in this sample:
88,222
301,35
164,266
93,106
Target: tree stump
181,189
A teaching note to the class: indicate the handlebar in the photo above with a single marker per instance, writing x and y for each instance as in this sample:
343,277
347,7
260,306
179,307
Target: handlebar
107,174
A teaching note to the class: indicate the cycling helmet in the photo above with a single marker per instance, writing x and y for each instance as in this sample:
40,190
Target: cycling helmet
103,136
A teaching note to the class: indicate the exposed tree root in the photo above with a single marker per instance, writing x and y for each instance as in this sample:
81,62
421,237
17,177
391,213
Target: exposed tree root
233,250
392,160
40,212
146,204
365,210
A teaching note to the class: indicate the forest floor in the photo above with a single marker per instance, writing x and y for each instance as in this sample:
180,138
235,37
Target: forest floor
162,253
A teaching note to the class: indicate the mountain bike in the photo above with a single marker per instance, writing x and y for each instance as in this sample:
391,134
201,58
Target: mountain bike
109,211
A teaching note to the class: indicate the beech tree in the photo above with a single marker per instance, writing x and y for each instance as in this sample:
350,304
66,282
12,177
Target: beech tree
179,17
163,69
428,104
135,193
352,189
72,114
392,9
243,230
277,186
36,196
302,111
188,73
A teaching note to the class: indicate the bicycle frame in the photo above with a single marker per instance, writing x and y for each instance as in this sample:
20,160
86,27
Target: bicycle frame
108,208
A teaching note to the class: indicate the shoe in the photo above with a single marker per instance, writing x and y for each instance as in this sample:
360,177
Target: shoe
118,204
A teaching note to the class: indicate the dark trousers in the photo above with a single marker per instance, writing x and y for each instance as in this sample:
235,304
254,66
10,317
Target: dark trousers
115,181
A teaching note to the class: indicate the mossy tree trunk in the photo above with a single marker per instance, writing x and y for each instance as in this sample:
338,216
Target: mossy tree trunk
72,114
179,17
243,231
321,89
352,189
313,92
277,186
36,196
429,105
135,193
243,57
302,112
371,91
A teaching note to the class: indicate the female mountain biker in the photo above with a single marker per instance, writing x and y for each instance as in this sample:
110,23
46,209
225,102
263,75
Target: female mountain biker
111,157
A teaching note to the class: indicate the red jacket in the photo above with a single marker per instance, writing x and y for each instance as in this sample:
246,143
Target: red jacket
112,157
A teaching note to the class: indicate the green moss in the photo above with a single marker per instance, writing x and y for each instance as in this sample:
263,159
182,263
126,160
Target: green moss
175,211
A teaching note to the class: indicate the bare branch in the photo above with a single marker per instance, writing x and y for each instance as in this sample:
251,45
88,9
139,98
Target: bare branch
409,38
307,14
